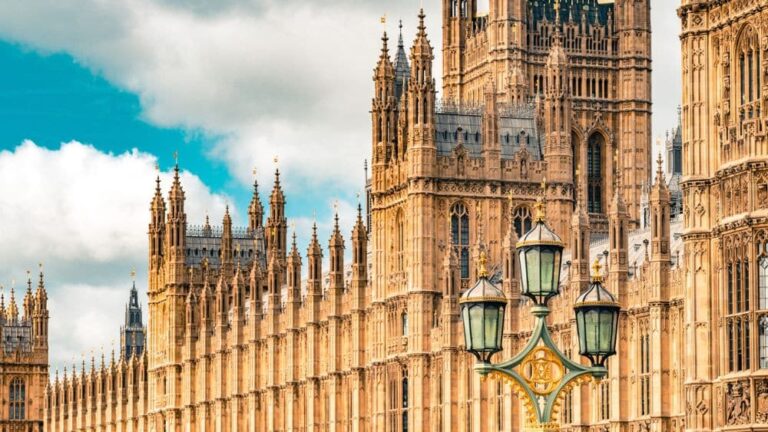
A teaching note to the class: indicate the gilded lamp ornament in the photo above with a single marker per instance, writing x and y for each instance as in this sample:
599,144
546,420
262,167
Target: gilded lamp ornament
540,374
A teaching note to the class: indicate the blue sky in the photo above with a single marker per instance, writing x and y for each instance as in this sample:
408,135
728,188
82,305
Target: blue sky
94,93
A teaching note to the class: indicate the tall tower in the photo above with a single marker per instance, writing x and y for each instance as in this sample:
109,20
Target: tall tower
725,189
24,359
132,332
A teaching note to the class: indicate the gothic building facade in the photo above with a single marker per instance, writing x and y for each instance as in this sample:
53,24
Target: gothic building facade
23,359
541,98
725,197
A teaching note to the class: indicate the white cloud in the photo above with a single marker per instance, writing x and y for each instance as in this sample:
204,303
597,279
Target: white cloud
84,213
289,77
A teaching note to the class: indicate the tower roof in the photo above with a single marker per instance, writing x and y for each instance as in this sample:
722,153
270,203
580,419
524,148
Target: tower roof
402,68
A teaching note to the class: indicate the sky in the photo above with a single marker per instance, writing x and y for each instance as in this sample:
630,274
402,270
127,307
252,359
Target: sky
95,93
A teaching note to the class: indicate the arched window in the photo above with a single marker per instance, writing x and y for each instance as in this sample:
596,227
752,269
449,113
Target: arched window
595,173
17,399
460,236
748,64
404,323
737,317
522,220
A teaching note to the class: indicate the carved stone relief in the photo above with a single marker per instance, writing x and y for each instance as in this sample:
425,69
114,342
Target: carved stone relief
737,403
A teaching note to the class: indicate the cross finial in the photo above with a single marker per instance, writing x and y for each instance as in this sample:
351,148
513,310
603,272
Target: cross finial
133,274
596,267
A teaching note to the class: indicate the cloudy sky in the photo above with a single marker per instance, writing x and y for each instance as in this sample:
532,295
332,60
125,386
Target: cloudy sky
94,93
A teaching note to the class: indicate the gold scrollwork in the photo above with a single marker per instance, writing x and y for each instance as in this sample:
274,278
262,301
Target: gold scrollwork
542,371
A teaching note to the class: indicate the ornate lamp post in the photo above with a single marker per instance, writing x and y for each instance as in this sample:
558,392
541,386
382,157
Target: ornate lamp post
540,374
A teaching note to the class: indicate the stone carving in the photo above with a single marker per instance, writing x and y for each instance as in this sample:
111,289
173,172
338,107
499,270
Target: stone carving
737,403
761,398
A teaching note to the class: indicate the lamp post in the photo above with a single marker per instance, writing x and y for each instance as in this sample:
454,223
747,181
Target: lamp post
540,374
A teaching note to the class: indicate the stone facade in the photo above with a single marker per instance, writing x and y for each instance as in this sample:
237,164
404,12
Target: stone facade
542,98
725,197
23,359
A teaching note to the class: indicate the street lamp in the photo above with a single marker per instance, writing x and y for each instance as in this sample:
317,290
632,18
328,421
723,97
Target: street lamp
540,374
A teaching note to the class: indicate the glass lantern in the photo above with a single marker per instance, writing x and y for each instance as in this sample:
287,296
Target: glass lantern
597,321
540,251
482,312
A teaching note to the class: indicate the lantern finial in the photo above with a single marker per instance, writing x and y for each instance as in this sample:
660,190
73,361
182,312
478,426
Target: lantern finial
596,275
482,262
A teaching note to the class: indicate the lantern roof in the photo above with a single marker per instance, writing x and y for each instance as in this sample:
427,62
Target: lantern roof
484,290
540,235
596,294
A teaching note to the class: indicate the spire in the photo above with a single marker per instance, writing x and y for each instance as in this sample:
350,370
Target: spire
276,224
12,315
384,67
2,304
28,298
207,231
421,53
660,179
226,243
255,209
402,68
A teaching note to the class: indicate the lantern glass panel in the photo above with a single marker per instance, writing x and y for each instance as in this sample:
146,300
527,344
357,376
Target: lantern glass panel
467,332
533,262
491,326
499,331
606,328
547,269
476,318
592,324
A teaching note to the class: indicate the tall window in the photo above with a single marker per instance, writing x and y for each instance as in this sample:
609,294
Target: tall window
400,239
595,173
522,218
737,319
17,399
460,236
645,373
404,323
762,278
748,63
404,398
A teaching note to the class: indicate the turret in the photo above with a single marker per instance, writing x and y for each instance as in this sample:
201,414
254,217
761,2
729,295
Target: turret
176,231
156,229
132,332
421,106
618,237
28,299
383,107
359,261
336,250
580,241
293,276
660,216
557,113
226,245
255,210
276,224
12,314
314,276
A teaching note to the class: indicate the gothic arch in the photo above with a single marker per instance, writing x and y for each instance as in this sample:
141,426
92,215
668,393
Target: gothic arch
747,69
596,164
460,235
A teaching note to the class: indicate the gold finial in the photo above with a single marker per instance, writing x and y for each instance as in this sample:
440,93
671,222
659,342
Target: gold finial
133,274
596,267
481,265
275,160
383,19
157,166
336,206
